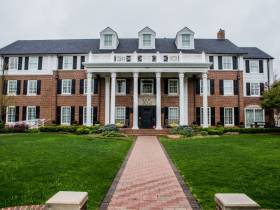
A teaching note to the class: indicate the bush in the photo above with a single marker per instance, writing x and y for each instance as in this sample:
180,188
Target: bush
231,129
82,130
58,128
108,128
215,131
259,130
7,130
20,127
204,133
112,134
2,124
183,130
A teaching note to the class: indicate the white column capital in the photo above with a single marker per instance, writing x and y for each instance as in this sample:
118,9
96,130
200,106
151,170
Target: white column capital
181,75
204,75
158,75
90,57
89,75
113,75
135,74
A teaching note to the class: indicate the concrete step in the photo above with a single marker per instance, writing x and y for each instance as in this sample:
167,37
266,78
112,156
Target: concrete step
145,132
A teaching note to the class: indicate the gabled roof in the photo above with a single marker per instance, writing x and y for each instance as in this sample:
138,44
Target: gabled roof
256,53
147,29
185,29
108,30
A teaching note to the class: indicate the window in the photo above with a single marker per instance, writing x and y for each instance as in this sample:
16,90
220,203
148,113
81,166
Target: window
173,115
228,87
85,115
201,87
147,40
108,40
165,58
67,62
228,117
13,63
139,58
121,87
147,86
32,87
254,66
33,62
186,40
201,115
255,89
66,86
11,114
128,58
227,62
66,115
85,86
120,115
172,86
31,113
12,87
253,115
154,58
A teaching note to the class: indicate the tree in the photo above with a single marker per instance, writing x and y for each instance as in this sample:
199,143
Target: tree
271,101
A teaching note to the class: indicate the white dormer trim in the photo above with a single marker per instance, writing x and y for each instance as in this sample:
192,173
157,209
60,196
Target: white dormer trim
179,42
115,41
144,33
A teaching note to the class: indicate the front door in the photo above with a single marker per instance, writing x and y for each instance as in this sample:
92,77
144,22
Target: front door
147,116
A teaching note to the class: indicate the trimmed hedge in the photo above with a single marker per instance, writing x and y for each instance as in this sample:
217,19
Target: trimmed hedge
222,130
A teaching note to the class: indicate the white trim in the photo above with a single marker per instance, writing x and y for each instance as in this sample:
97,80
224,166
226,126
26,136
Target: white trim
252,107
28,86
61,108
173,94
121,93
7,108
8,87
228,94
141,87
66,93
233,123
27,110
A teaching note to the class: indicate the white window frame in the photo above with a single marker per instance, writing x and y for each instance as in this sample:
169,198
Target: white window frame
123,92
254,66
120,114
231,93
10,115
14,92
147,42
141,87
201,87
232,110
85,86
255,91
186,40
173,118
227,63
33,91
254,115
33,63
85,115
68,89
209,115
31,113
13,63
108,40
169,87
68,62
63,119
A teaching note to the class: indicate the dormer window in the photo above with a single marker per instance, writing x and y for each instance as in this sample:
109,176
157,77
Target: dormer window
108,40
186,40
147,40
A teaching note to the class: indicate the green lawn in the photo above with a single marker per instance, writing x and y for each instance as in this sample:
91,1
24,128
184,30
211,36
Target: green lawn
35,166
231,164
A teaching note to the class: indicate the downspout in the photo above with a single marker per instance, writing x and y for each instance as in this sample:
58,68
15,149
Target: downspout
238,93
194,95
56,79
268,74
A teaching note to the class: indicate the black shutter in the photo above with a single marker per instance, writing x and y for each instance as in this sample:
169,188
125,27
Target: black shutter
127,86
213,123
72,114
59,84
74,62
127,114
165,84
197,86
197,115
82,61
248,91
5,85
25,82
20,63
38,87
40,63
4,113
26,63
261,66
235,87
94,118
60,62
37,112
221,87
222,115
155,86
81,115
247,66
236,116
261,88
18,87
82,82
58,114
139,85
73,87
212,87
6,63
23,113
96,81
235,62
17,114
166,116
211,60
220,62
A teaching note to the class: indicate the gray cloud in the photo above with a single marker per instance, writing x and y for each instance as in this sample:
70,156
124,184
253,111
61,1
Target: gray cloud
247,22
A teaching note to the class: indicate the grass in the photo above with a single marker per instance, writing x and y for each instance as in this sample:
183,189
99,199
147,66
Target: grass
33,167
247,164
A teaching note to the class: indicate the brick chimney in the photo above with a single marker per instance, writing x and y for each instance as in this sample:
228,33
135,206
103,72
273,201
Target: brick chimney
221,34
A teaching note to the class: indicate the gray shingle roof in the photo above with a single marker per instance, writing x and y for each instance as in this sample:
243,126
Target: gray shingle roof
254,52
83,46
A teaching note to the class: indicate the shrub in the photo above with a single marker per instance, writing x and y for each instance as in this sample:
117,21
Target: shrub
183,130
20,127
112,134
259,130
57,128
108,128
204,133
215,131
2,124
231,129
82,130
7,130
94,129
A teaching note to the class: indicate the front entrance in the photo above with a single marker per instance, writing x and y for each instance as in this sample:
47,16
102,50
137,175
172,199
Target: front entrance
147,116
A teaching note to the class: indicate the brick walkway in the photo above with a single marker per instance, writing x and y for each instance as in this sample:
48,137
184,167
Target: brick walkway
148,181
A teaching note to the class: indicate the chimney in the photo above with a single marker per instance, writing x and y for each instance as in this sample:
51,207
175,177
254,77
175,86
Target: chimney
221,34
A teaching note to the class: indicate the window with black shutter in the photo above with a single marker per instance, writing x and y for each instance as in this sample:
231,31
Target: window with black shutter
165,116
155,86
73,87
25,82
127,116
220,62
197,86
37,112
261,66
40,63
211,60
26,63
20,63
247,62
127,86
82,82
222,120
6,63
236,116
197,111
23,113
18,87
17,114
82,61
248,90
95,113
235,87
58,86
72,114
5,86
81,115
60,62
165,84
96,85
38,87
213,122
58,114
74,62
221,87
235,62
261,88
212,87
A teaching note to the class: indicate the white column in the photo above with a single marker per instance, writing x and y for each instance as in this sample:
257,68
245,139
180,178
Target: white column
113,97
89,99
182,99
186,102
158,101
205,101
135,100
107,100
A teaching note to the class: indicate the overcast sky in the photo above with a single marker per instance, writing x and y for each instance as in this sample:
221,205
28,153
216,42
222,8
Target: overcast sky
247,22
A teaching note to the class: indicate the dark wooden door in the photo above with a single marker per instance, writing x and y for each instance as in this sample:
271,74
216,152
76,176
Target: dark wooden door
147,116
